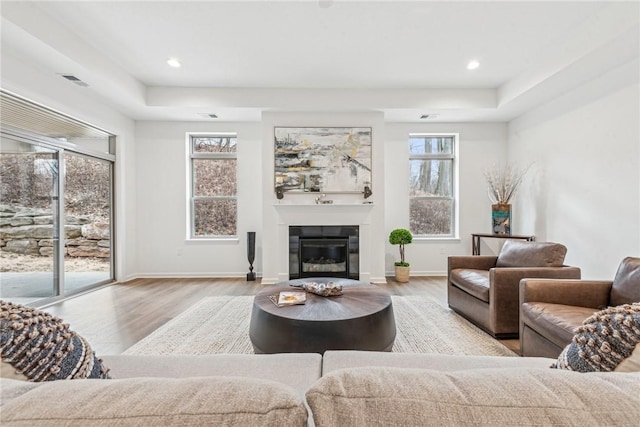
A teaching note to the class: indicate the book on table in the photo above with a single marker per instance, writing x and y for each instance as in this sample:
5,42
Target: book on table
284,299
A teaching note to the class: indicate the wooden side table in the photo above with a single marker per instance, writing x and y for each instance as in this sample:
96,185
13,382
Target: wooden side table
475,239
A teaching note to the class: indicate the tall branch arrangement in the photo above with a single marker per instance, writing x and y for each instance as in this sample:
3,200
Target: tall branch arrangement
503,182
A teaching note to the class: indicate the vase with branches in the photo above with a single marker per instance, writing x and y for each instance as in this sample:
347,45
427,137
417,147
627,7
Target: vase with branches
503,183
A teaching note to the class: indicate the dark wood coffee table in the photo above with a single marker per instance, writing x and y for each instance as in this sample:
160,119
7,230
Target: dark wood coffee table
360,319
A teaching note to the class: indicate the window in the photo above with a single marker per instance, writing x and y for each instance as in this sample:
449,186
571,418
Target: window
431,185
213,201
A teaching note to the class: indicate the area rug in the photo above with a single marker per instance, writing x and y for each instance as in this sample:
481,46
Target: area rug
221,325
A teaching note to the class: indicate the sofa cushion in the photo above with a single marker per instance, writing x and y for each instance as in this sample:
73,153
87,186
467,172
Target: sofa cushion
626,284
332,360
631,363
11,389
518,253
603,341
8,371
42,348
214,401
556,322
417,397
473,282
298,370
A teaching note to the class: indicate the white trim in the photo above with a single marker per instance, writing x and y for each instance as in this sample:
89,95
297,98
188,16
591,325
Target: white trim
456,184
190,198
181,275
212,240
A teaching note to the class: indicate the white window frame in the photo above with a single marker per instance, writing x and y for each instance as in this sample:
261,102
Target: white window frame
455,179
191,198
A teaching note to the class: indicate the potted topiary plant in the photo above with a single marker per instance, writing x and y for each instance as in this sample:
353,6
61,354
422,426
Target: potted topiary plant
401,236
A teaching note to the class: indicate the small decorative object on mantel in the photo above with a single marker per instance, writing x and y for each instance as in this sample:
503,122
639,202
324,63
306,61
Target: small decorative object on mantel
279,193
322,201
503,183
328,289
401,236
367,190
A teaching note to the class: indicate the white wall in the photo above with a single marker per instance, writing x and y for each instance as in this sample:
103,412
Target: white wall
480,146
585,188
52,91
161,187
161,182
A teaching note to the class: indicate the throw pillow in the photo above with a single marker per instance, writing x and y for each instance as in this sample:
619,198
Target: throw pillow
42,348
604,341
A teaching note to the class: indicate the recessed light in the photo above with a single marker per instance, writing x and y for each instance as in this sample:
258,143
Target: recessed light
472,65
173,62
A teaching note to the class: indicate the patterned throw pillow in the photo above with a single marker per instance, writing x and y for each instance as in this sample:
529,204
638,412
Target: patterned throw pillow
604,341
42,348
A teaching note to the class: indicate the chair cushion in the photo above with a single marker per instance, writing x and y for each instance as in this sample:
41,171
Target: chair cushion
473,282
42,348
517,253
603,341
626,285
555,322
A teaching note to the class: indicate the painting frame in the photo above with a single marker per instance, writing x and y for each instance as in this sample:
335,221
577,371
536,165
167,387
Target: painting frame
322,159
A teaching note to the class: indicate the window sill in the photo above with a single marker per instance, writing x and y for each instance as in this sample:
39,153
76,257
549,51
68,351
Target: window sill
419,239
213,240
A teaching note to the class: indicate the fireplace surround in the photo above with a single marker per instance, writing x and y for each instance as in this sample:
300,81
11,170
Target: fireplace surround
324,251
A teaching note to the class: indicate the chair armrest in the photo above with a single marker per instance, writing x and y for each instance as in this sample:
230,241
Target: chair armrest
504,290
580,293
511,276
476,262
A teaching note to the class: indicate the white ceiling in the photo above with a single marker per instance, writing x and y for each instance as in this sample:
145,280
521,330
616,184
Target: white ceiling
404,58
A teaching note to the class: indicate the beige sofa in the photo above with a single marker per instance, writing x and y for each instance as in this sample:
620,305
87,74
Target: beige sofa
342,388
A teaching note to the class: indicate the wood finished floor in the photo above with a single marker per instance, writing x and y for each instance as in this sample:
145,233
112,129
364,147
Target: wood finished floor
115,317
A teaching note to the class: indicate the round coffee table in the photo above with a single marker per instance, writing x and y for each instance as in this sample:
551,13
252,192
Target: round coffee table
359,319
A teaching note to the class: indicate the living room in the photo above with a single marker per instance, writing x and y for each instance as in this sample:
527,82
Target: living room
556,90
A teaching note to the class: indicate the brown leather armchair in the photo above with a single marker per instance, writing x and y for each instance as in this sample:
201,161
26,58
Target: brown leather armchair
551,310
484,289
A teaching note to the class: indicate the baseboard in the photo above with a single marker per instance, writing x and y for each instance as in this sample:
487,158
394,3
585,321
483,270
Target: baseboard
421,273
192,275
378,280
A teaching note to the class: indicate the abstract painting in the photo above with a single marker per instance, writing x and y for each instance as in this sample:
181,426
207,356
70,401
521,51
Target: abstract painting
332,160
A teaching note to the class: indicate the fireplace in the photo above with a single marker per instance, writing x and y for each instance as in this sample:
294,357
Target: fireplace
324,251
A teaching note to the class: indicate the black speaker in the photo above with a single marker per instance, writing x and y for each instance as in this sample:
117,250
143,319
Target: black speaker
251,254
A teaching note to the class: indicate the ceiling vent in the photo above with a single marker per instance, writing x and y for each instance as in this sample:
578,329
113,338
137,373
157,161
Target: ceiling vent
74,79
428,116
208,115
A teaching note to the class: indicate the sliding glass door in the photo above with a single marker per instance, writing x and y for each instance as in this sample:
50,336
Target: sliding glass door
87,220
29,221
55,218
